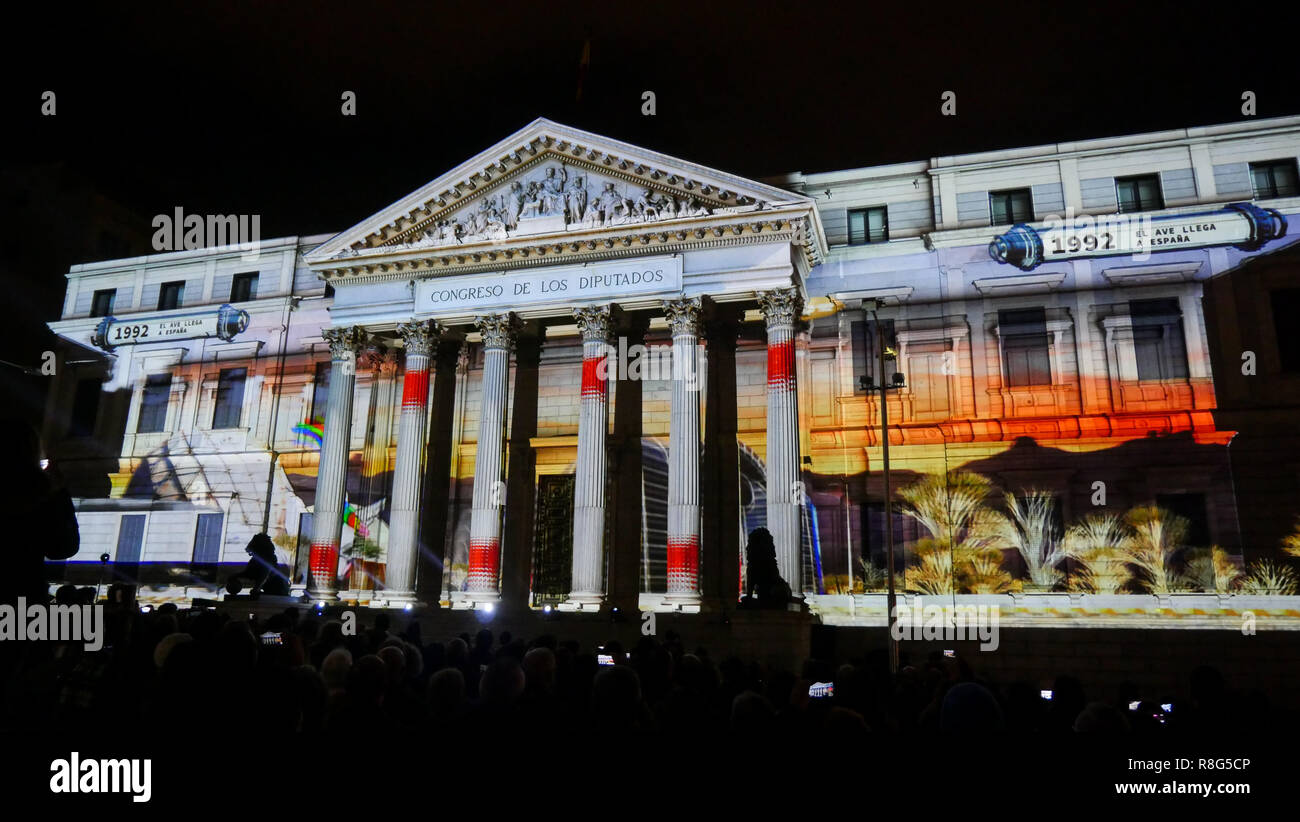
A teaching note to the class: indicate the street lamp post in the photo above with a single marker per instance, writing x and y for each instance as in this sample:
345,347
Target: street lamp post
895,383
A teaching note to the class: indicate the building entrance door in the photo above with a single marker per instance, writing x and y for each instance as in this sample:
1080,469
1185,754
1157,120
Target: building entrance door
553,541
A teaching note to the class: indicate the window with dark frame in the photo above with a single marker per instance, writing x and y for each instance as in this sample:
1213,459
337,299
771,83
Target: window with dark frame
1140,193
101,305
170,295
1274,178
1026,347
230,398
320,392
85,407
1158,342
1190,507
130,539
207,539
1011,206
868,225
866,357
1285,305
153,404
243,288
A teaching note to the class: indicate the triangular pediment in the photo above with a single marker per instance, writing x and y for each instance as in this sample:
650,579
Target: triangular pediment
552,187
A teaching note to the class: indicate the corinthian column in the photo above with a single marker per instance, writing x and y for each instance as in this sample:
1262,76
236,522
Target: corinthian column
587,589
489,489
404,526
327,518
781,308
684,456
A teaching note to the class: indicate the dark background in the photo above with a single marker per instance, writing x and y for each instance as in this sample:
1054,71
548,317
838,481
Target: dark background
230,108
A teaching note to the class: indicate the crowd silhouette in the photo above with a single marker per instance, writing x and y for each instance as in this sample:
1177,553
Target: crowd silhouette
297,674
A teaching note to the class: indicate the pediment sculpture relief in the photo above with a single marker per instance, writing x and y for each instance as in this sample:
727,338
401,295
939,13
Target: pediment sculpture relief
556,199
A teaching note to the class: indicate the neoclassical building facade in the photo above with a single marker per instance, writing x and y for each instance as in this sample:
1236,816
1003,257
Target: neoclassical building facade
575,372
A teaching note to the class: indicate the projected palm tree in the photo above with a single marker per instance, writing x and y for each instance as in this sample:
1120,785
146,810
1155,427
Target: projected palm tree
1031,529
1156,541
963,553
1097,543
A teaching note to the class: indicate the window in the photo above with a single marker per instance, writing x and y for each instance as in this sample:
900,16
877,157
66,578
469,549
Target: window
329,289
1158,339
243,288
1015,206
1190,507
1286,309
1138,193
1026,347
230,398
85,408
868,225
1276,178
320,392
101,305
170,296
207,539
153,404
866,359
130,538
875,546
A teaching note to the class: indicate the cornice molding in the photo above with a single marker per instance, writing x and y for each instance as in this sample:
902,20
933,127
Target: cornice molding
562,250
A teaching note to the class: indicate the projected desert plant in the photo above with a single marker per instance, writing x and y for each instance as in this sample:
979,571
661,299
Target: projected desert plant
1268,578
1031,529
952,507
983,574
871,577
1291,543
932,573
1212,571
1096,542
962,554
1156,541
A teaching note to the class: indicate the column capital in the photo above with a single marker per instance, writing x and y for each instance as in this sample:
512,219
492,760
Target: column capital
388,367
594,321
683,315
379,358
780,306
345,342
420,336
498,330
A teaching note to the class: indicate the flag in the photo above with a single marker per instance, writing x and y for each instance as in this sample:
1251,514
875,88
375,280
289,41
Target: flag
583,64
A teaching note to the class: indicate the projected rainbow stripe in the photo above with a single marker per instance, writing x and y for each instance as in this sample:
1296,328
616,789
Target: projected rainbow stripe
352,517
310,430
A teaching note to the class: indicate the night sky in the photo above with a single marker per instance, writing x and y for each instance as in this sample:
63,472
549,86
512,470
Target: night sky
221,107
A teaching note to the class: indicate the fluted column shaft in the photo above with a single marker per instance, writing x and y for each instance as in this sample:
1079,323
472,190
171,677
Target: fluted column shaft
781,308
331,475
588,584
404,523
684,453
489,487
